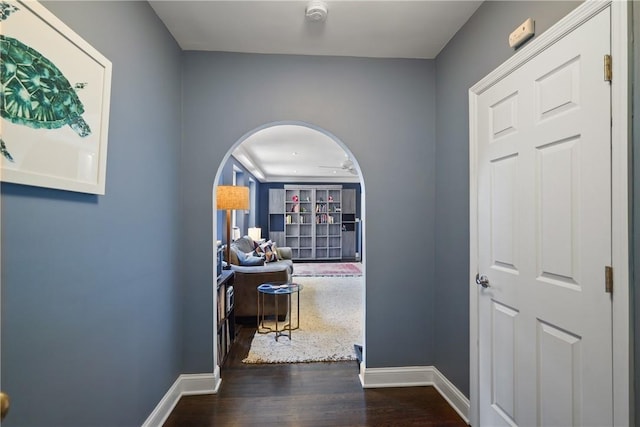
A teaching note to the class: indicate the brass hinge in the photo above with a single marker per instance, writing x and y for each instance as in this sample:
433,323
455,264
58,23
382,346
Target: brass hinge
608,74
608,279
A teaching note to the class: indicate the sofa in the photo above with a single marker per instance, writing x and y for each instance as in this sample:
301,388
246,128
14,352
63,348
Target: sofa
250,272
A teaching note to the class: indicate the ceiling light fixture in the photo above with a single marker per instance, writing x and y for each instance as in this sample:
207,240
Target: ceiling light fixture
316,11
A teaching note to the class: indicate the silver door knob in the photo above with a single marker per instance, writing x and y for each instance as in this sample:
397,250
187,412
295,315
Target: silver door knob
482,280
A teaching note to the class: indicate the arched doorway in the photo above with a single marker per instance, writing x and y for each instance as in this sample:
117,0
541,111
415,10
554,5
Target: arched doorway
352,166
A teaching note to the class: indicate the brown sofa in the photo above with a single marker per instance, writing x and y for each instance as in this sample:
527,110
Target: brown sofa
248,278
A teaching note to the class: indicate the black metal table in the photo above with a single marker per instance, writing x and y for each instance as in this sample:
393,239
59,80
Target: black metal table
276,290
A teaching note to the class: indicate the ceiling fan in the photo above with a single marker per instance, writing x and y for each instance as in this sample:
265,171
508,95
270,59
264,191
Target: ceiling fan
346,165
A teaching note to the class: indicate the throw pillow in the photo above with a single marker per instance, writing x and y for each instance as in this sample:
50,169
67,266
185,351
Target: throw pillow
269,250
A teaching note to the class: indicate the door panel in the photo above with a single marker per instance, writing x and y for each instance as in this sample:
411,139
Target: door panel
560,376
558,172
504,361
503,213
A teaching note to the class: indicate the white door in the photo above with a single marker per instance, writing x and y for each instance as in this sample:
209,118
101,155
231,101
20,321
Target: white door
544,238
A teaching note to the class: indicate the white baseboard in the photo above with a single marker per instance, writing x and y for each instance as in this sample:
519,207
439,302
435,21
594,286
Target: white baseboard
415,376
185,385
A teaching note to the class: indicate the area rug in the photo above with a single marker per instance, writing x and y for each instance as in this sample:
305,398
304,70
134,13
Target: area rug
327,269
330,324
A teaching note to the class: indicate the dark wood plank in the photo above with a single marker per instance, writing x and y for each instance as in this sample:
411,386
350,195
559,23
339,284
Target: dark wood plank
307,394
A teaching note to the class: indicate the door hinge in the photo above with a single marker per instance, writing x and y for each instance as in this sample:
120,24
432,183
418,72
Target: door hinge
608,73
608,279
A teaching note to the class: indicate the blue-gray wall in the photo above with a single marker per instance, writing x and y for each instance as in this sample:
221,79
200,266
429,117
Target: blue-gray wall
383,111
91,302
478,48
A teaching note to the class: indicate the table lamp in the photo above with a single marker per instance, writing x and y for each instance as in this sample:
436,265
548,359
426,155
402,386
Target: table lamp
231,197
255,233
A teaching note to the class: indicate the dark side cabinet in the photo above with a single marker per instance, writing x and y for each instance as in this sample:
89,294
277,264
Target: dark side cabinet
226,331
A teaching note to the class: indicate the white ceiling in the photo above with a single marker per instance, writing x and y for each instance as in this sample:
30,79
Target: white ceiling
359,28
290,153
380,29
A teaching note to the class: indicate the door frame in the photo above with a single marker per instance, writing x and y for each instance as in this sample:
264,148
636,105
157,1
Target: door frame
620,109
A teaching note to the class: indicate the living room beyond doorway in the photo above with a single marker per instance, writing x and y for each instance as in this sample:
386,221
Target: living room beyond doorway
324,236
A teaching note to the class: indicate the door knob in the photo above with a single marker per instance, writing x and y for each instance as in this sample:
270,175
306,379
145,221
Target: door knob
4,405
482,280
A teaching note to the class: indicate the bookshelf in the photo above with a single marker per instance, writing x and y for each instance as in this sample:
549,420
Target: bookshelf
328,223
310,220
226,331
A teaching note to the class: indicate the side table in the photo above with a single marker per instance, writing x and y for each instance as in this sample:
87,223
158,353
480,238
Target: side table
286,290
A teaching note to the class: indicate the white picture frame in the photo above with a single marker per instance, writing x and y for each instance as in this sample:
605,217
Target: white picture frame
43,148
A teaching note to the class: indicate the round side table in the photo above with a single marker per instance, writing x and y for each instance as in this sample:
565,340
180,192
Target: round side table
287,290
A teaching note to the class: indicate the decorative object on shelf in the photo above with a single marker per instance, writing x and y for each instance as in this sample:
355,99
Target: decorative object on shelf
55,133
231,197
295,198
255,233
331,198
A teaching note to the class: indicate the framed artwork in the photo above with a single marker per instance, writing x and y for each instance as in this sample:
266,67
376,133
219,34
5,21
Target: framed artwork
54,102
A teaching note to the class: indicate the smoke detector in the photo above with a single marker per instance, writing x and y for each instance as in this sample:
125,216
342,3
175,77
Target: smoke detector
316,11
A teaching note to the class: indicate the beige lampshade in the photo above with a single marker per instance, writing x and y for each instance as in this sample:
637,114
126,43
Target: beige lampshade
232,197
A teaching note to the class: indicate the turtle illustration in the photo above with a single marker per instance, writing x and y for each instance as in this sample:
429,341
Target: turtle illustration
6,9
33,91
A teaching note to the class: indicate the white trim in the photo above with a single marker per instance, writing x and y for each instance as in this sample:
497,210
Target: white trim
474,368
620,197
185,385
416,376
620,140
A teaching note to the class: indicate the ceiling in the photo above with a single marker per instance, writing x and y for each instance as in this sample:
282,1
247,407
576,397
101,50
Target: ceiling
291,153
360,28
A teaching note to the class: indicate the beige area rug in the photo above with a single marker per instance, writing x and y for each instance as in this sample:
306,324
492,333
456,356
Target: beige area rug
330,324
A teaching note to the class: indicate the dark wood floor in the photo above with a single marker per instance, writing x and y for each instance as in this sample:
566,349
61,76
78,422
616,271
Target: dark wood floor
307,394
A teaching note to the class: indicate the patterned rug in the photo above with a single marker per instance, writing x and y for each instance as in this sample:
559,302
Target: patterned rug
330,324
327,269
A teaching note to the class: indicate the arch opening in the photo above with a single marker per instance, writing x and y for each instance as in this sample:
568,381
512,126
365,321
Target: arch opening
218,217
